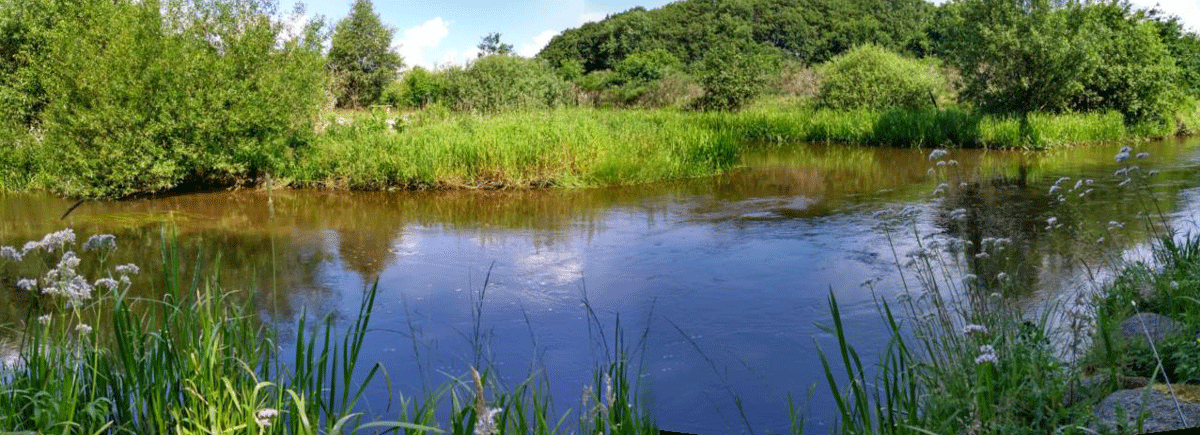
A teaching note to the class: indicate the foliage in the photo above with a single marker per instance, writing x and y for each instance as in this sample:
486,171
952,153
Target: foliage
123,97
503,82
490,44
732,77
1022,57
361,56
416,89
808,31
871,77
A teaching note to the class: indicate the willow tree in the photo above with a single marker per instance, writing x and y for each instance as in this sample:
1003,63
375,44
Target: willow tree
361,57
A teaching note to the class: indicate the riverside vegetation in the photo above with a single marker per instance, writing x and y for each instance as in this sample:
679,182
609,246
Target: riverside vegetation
111,99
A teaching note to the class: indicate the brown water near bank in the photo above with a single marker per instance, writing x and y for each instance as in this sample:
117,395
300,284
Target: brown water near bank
742,262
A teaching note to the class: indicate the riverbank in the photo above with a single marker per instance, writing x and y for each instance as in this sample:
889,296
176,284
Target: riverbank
561,148
1117,355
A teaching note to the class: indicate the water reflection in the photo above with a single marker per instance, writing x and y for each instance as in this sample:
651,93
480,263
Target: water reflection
741,262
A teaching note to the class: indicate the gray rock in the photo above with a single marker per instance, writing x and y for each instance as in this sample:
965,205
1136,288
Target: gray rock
1158,325
1097,385
1159,410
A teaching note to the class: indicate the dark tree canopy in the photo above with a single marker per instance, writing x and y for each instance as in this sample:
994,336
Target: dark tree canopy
810,31
361,56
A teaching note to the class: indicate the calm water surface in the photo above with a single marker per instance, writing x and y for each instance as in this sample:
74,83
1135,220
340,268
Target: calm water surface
741,264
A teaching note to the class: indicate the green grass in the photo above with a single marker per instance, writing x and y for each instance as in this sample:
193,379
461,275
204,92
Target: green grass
199,361
581,147
434,148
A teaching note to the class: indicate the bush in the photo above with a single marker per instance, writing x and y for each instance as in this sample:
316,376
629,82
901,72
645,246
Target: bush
418,88
871,77
140,98
732,76
504,82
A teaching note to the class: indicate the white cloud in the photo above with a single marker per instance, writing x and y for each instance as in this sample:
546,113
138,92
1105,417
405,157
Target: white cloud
417,39
1188,11
536,45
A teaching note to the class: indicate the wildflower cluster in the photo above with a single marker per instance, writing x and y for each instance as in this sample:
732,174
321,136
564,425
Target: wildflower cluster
987,354
65,280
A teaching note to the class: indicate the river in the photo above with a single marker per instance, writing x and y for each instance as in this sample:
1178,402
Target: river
725,277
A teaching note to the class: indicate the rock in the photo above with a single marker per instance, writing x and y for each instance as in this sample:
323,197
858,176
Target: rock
1159,410
1158,325
1095,385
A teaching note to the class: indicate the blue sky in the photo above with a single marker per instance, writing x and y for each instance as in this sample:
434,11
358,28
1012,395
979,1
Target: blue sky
433,33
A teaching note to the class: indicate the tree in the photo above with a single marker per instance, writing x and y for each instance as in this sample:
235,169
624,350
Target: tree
491,44
361,56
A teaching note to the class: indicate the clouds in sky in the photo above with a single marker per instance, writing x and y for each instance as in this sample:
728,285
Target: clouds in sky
1188,11
415,41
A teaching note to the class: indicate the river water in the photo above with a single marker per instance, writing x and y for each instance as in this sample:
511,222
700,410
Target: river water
727,277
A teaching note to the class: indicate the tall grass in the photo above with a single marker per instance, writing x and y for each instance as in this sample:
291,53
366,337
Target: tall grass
90,359
577,147
962,358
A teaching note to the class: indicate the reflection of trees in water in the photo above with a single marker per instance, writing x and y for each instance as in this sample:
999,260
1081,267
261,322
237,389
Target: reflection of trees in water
1000,208
1009,204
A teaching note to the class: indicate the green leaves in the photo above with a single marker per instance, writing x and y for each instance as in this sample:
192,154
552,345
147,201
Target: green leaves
361,57
871,77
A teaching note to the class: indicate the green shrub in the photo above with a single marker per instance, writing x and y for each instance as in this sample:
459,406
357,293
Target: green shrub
416,89
504,82
141,98
733,76
871,77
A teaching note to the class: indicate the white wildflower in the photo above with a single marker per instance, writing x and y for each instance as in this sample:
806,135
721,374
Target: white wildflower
27,284
30,246
9,253
106,282
125,279
973,328
127,269
1051,221
1174,285
930,172
44,319
941,163
101,242
266,413
83,328
986,358
1002,277
52,241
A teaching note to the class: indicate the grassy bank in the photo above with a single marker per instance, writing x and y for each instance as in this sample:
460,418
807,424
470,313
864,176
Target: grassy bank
89,359
581,147
434,148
